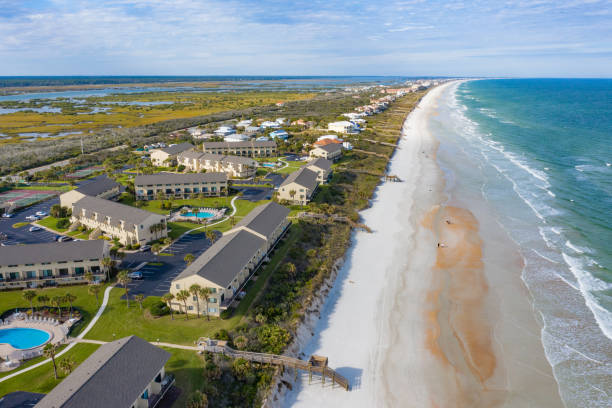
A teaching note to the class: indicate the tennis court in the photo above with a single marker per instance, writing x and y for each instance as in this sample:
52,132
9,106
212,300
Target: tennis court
22,198
86,172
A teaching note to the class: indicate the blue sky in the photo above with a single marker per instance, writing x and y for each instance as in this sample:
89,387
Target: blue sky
570,38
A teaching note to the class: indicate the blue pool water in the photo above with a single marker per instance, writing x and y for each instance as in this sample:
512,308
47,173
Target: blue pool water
202,214
269,165
23,338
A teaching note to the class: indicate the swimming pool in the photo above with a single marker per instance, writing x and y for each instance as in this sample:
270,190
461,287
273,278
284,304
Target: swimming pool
200,214
23,338
269,164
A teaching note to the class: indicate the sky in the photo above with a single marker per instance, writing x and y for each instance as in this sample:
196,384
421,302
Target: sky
519,38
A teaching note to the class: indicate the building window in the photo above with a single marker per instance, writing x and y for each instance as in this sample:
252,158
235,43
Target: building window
30,274
212,300
79,270
212,310
189,307
177,286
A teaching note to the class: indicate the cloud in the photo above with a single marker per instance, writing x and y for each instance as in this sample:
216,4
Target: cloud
411,27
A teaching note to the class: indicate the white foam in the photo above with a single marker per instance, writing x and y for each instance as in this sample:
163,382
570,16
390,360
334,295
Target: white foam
575,248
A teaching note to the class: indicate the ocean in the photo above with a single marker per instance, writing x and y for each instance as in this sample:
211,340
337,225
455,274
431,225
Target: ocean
537,154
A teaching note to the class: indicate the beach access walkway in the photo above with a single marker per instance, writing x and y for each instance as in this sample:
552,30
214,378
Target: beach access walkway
316,364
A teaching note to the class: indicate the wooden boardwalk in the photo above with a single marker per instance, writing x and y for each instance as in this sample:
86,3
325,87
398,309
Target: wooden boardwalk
316,364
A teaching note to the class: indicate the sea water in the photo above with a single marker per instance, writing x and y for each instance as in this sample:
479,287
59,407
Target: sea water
539,153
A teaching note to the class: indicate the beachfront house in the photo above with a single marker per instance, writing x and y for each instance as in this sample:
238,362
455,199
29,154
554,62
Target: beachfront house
270,125
343,126
322,167
227,265
167,155
224,131
299,187
252,130
244,123
236,137
128,224
101,187
125,373
52,263
251,148
177,185
279,134
332,151
233,166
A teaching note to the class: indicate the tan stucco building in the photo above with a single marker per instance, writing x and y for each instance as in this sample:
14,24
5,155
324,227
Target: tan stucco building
228,264
129,224
52,263
299,187
322,167
251,148
178,185
332,151
233,166
101,187
167,156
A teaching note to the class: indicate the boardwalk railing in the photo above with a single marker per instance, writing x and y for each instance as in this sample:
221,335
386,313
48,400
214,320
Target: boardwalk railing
220,347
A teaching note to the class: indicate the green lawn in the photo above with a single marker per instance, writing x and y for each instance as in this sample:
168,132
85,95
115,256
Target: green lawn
20,224
188,369
47,188
179,228
155,205
41,378
50,222
85,302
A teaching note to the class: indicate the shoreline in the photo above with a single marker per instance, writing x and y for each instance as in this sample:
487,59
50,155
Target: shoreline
436,325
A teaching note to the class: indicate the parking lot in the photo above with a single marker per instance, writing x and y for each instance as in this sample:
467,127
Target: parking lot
22,235
160,270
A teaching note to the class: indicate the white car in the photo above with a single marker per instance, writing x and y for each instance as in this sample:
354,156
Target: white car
32,218
34,228
41,213
8,215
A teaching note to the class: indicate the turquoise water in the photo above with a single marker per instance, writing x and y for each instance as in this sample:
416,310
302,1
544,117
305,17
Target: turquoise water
202,214
269,165
540,155
23,338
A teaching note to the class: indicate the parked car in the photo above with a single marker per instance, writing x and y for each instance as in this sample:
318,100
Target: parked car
34,228
57,237
145,248
8,215
135,275
32,217
64,238
41,213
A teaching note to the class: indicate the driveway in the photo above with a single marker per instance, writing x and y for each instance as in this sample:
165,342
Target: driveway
161,270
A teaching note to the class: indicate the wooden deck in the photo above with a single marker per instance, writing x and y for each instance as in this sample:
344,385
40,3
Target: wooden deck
316,364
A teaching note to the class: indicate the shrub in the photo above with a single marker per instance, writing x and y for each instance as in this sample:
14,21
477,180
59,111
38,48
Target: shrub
159,308
62,223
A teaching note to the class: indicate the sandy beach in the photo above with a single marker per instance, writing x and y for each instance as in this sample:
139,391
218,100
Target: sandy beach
429,310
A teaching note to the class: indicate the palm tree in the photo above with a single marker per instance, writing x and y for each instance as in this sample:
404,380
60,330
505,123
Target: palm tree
205,293
89,277
57,302
182,296
139,298
43,300
156,248
49,351
123,279
67,364
94,290
292,193
168,298
189,258
291,269
107,263
29,295
68,297
195,291
212,237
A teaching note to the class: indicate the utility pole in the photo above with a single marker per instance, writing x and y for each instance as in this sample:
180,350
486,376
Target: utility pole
82,150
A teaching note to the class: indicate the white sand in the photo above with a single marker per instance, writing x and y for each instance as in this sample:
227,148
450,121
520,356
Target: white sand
353,330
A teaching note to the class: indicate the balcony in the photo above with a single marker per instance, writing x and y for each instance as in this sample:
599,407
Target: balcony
166,384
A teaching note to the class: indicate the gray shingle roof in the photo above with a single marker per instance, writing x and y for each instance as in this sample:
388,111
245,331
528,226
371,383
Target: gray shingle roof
177,148
219,157
225,258
304,177
115,375
265,218
332,147
177,178
51,252
190,154
250,143
321,163
117,212
98,186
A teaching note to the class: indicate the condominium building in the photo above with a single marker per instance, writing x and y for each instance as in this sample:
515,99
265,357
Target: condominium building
125,373
229,263
167,156
101,187
299,187
233,166
332,151
177,185
128,224
322,167
343,126
51,263
251,148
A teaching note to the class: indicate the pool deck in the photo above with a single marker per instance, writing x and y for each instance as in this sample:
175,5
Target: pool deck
57,335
